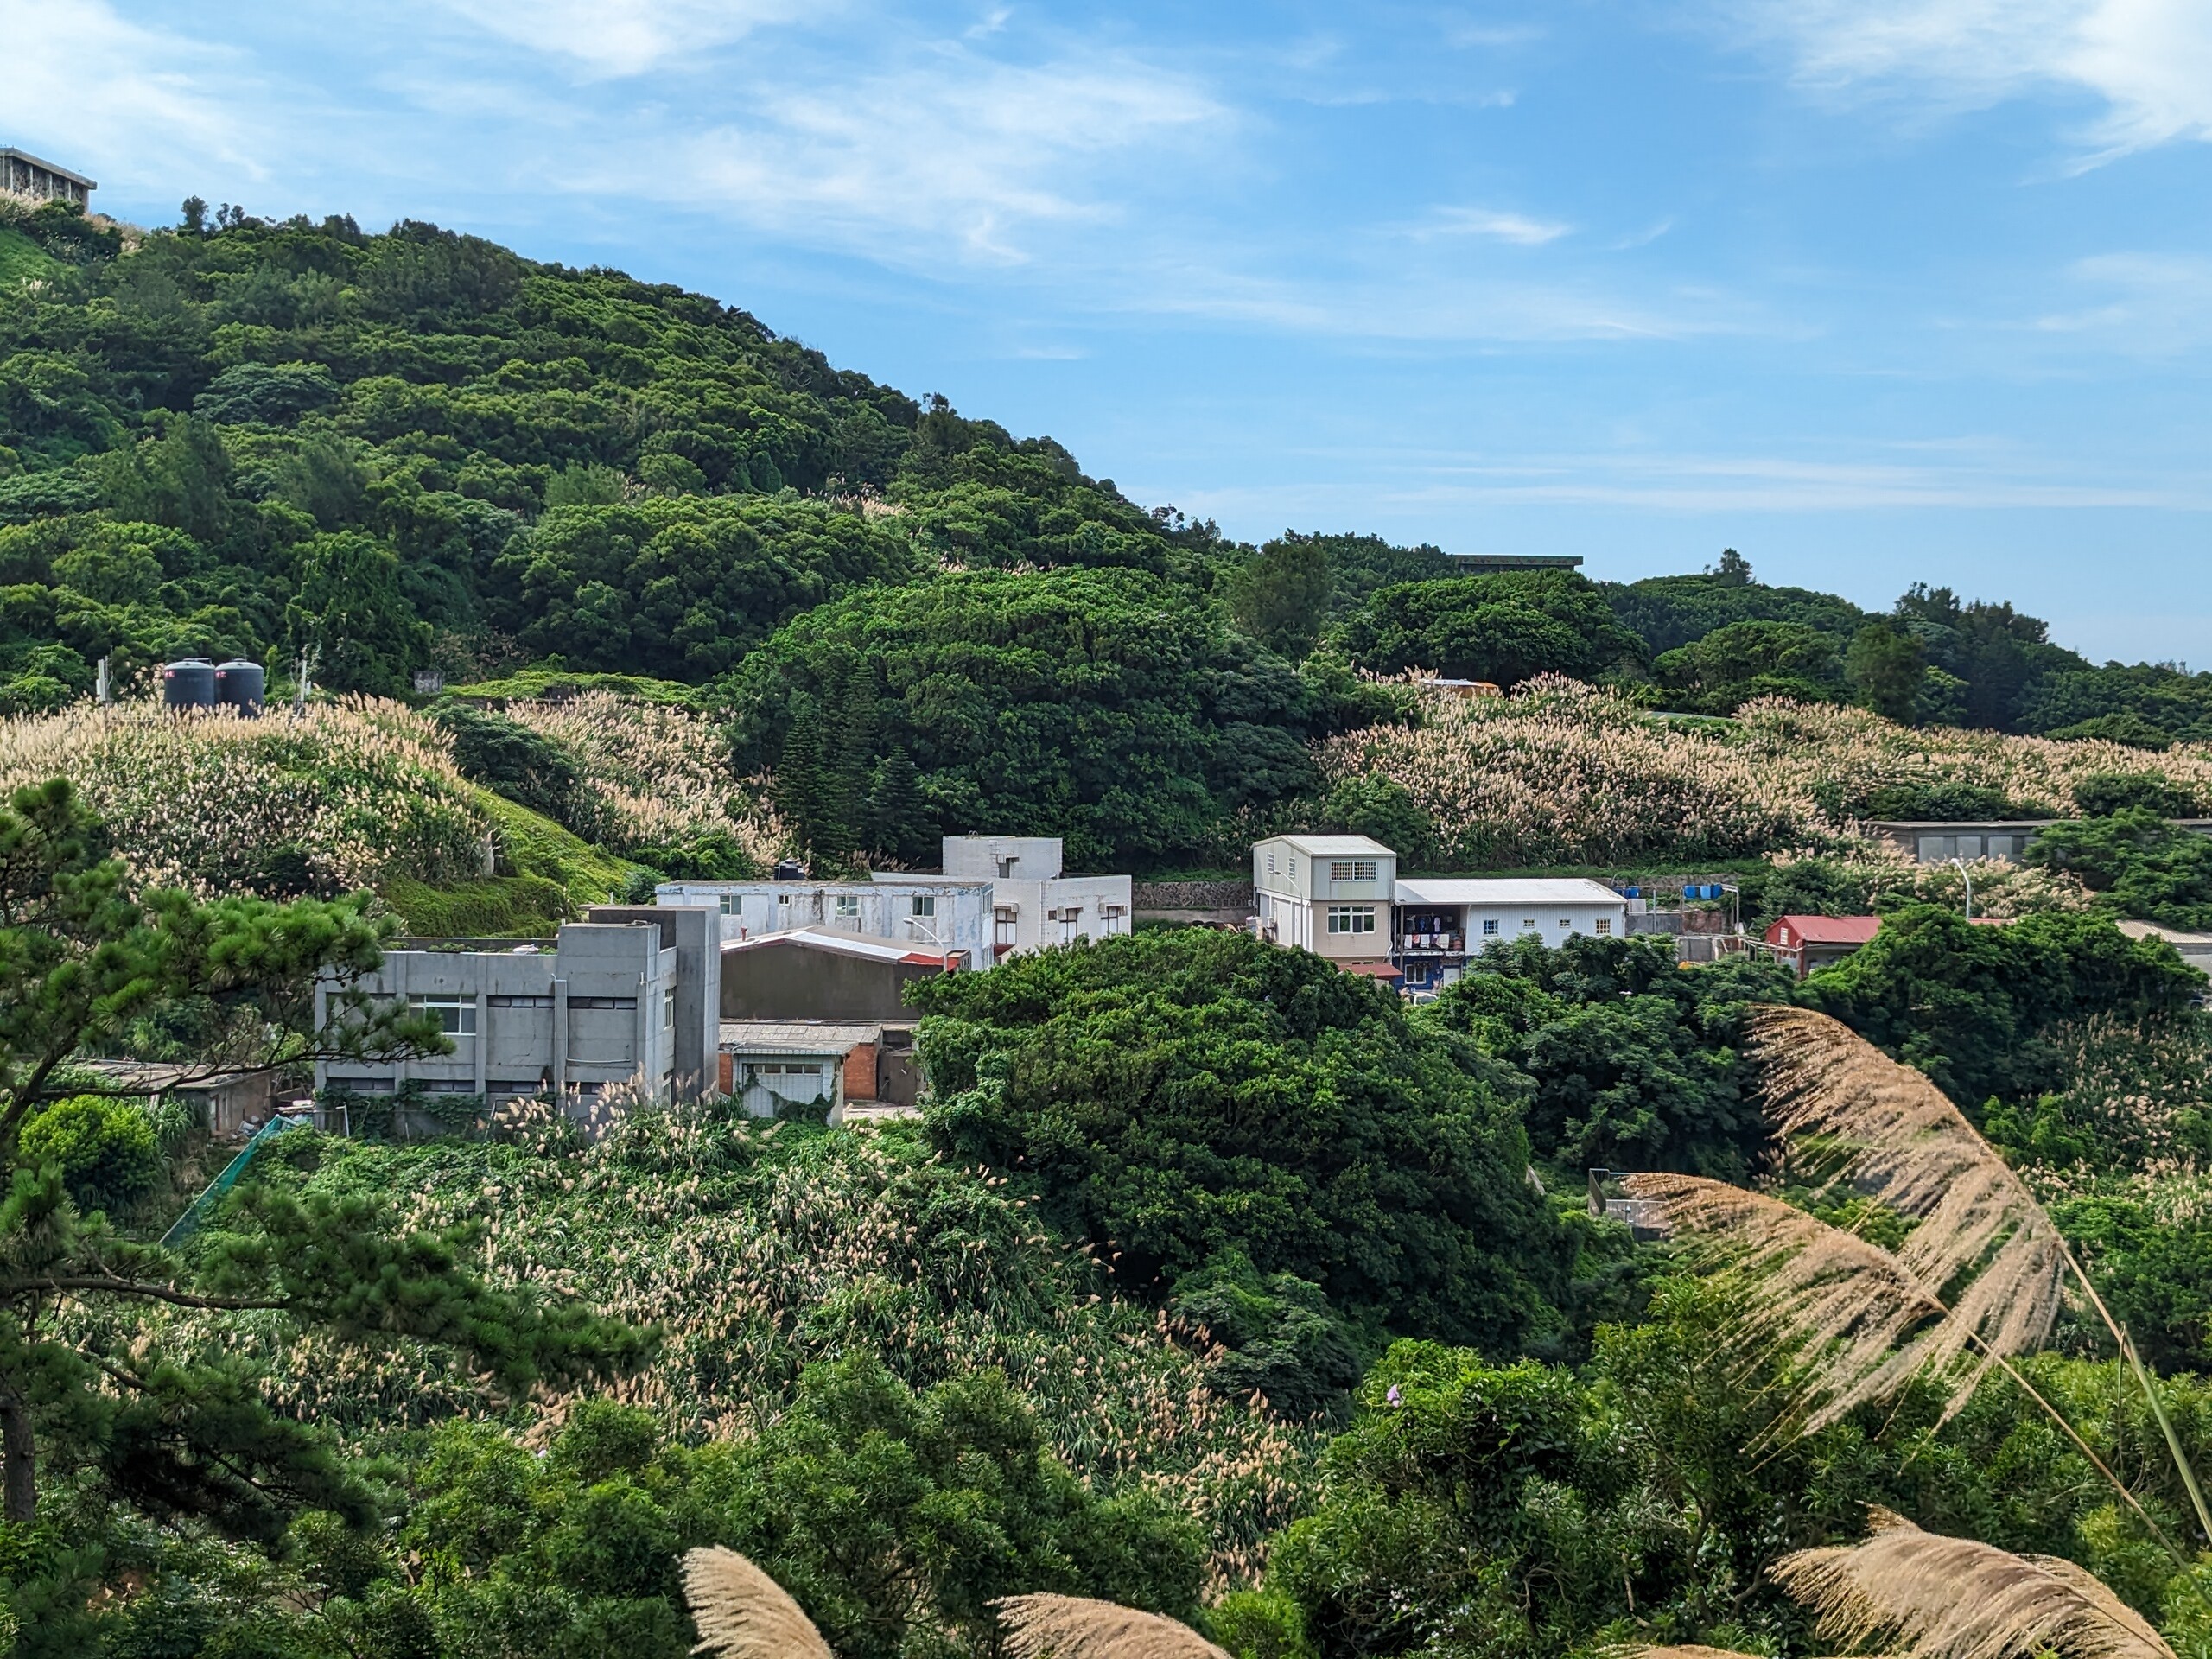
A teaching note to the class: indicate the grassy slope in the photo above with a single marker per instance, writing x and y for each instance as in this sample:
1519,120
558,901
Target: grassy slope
23,259
758,1249
548,874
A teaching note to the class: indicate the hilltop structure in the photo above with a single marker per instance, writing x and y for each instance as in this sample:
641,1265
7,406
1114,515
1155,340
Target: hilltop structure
24,175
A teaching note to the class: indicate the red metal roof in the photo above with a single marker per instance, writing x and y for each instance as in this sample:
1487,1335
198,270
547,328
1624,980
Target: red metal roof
1791,932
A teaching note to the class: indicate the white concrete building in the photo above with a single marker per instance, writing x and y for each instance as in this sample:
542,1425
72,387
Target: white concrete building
1329,894
999,894
1034,904
934,915
608,1005
1441,921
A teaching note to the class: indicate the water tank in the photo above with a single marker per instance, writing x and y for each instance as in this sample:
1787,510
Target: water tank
238,684
790,869
188,684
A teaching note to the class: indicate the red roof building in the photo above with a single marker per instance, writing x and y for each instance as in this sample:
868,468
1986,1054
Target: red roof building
1808,942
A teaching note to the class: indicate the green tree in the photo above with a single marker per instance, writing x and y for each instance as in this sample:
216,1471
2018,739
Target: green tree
1884,667
1978,1008
350,611
1505,628
104,1149
1742,660
2137,863
1281,595
82,954
1175,1097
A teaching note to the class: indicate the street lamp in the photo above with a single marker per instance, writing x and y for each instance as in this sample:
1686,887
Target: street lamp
1967,876
945,961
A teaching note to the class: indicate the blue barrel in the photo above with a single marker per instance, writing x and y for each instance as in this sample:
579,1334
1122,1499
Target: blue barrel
188,684
238,684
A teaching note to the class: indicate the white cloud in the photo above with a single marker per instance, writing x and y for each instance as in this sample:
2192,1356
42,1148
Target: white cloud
1516,228
2150,304
2149,61
949,147
628,37
118,100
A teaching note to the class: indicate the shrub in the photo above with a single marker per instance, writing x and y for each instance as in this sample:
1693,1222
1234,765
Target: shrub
105,1149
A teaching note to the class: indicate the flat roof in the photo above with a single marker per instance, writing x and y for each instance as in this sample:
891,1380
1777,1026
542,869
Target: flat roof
2171,935
12,154
1505,890
1517,561
1335,846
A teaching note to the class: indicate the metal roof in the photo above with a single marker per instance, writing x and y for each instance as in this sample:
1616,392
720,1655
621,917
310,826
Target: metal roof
12,154
841,942
794,1036
1505,890
1337,845
1788,931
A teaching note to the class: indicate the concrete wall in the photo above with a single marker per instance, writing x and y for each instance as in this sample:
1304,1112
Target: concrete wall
1034,858
589,1014
1030,926
694,934
883,909
786,980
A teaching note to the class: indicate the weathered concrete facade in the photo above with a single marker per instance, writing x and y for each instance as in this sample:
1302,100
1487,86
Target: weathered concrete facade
24,175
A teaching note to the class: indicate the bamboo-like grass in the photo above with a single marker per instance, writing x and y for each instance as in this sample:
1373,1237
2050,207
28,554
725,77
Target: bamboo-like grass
1928,1597
1075,1627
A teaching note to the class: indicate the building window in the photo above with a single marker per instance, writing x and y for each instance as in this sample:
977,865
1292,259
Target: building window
1070,919
1351,918
732,903
1490,928
1565,925
1527,924
1357,869
519,1001
925,904
629,1003
848,906
1005,919
1271,863
456,1014
1603,925
668,1009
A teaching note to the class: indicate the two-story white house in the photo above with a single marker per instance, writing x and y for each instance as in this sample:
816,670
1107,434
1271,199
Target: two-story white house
1341,897
1333,895
1442,921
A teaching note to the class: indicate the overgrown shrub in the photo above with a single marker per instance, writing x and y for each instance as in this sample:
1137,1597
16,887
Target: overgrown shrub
105,1149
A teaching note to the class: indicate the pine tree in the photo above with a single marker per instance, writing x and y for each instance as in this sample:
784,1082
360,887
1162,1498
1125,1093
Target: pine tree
897,829
82,954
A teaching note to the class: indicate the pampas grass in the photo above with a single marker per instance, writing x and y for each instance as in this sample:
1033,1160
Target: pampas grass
1851,1321
1885,1131
1075,1627
1954,1598
742,1613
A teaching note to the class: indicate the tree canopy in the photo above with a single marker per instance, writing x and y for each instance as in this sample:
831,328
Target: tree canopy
1505,627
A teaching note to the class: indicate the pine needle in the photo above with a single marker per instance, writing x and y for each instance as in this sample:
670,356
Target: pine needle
1846,1318
1885,1131
1954,1598
742,1613
1075,1627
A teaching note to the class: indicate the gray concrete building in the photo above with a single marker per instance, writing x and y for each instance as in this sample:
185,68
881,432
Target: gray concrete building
609,1006
824,973
22,174
1035,903
924,913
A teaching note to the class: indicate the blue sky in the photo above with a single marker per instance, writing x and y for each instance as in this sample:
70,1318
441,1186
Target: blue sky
1874,290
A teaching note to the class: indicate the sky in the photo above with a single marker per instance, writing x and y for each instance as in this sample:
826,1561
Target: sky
1874,291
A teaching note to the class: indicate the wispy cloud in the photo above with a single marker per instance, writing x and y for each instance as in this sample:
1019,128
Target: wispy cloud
949,150
2149,61
2148,304
1519,229
118,96
628,37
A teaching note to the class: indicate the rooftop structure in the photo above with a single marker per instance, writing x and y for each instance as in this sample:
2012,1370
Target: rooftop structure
24,175
826,974
1486,561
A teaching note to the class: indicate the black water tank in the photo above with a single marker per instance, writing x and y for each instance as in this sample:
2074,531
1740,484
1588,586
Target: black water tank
188,684
238,685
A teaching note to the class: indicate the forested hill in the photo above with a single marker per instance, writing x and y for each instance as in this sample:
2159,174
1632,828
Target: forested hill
418,451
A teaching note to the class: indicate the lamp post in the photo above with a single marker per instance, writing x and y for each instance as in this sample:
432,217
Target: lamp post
1967,876
945,960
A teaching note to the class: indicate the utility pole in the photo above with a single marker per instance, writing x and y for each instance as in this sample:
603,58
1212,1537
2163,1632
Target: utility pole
1967,876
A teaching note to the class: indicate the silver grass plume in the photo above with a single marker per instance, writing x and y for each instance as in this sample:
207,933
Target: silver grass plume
742,1613
1850,1322
1686,1650
1075,1627
1936,1598
1883,1129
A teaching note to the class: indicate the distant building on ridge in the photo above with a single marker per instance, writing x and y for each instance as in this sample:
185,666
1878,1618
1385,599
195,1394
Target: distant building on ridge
23,174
